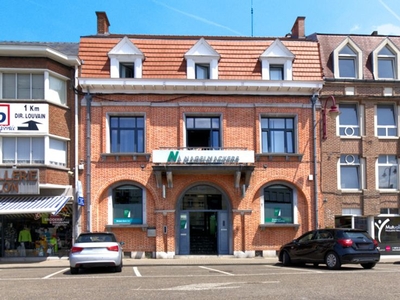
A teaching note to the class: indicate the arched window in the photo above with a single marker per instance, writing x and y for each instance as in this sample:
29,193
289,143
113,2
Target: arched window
278,204
127,203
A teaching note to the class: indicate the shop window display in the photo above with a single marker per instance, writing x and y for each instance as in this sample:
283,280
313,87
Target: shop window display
37,235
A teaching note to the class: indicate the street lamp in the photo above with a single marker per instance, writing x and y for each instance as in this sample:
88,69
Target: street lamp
333,112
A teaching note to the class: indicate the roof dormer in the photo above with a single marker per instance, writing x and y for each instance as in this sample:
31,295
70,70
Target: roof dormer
126,60
276,62
347,59
202,61
386,61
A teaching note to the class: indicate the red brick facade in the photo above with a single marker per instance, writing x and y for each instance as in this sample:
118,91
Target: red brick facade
165,112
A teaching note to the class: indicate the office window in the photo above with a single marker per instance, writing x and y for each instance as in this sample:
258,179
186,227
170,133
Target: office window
278,204
386,64
57,154
23,86
126,134
387,172
349,120
277,135
23,150
347,62
350,172
57,90
276,72
128,204
126,70
202,71
386,121
389,211
203,132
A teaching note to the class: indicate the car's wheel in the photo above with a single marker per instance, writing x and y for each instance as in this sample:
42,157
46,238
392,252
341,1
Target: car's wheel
368,265
286,259
332,261
118,268
74,270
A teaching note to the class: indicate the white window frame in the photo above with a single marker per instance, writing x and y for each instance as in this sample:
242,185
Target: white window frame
396,54
201,53
361,182
358,60
48,94
54,95
387,127
48,153
277,54
389,168
126,52
349,128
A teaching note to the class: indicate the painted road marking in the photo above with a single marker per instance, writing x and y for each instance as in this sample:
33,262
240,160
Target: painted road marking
215,270
55,273
136,271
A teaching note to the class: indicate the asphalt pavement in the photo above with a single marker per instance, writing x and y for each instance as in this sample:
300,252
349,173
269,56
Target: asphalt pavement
63,262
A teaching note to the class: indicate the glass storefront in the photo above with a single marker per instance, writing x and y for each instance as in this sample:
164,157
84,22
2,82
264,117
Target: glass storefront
36,235
387,233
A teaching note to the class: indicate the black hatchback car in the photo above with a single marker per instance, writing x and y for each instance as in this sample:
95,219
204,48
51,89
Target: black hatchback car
333,247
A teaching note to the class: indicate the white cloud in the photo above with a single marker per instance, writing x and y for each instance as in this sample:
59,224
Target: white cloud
355,28
388,29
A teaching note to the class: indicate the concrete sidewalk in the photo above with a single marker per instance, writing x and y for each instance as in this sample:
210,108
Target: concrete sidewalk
63,262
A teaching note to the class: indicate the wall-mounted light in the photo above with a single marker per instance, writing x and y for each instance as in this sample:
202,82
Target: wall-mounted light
142,166
333,112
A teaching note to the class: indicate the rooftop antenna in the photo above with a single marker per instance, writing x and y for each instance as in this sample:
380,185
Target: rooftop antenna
251,17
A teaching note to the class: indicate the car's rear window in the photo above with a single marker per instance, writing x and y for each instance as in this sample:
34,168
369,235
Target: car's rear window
93,238
356,235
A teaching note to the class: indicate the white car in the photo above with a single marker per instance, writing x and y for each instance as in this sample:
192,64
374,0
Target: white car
96,249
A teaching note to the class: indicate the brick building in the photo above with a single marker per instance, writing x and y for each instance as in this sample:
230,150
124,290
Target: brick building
361,146
37,141
198,145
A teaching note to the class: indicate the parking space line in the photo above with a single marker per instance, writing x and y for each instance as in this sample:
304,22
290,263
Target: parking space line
136,271
55,273
215,270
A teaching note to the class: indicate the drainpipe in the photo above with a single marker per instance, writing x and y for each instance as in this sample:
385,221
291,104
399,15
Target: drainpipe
314,100
88,98
76,215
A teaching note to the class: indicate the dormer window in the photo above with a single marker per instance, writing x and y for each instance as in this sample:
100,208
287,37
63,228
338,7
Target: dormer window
202,71
385,61
202,61
348,60
276,72
276,62
126,60
127,70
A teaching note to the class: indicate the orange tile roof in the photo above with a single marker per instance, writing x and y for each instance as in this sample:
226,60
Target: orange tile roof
165,56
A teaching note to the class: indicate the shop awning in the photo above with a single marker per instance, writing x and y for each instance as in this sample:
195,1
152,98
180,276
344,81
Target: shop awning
32,204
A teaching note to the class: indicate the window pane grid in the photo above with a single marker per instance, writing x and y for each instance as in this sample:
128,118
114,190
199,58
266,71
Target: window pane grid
350,177
23,150
127,134
23,86
277,135
387,172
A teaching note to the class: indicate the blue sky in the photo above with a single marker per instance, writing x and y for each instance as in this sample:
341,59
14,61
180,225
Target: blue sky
67,20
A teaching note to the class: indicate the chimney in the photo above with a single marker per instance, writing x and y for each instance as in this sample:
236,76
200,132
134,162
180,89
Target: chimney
298,28
102,23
